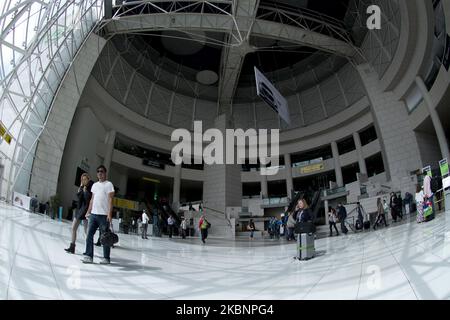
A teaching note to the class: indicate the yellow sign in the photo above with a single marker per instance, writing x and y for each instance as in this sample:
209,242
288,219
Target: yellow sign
125,204
4,134
311,168
151,180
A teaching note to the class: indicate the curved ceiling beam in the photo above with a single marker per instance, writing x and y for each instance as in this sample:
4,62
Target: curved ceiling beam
227,24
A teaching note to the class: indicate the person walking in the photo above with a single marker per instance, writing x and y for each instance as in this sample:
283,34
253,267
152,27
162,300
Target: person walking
332,219
360,211
34,203
84,196
251,227
398,202
170,225
183,226
203,225
144,219
381,217
99,214
342,216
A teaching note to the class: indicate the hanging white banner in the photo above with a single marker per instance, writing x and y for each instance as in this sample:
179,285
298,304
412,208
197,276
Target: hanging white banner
267,92
21,201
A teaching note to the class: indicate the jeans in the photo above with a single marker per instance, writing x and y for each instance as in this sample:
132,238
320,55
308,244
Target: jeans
290,233
343,227
96,222
170,226
204,233
333,224
144,230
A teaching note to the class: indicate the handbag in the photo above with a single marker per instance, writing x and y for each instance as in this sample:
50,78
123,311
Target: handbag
304,227
427,209
109,238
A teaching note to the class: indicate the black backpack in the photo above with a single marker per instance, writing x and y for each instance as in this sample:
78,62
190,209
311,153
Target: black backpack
436,184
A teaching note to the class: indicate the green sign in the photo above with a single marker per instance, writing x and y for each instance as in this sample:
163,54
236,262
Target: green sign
443,164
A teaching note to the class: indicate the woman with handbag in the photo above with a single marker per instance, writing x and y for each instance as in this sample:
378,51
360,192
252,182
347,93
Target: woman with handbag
84,197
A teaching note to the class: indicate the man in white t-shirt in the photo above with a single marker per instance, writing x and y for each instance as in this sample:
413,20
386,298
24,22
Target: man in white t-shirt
99,214
144,224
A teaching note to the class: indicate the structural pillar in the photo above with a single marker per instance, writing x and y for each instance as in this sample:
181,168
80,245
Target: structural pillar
325,205
264,186
337,164
109,142
361,161
176,188
443,145
288,168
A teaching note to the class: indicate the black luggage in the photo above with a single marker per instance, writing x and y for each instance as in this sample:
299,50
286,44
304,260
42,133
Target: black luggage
358,225
366,225
344,229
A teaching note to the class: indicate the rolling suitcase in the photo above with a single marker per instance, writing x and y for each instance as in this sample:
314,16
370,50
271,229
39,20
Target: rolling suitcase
306,248
366,225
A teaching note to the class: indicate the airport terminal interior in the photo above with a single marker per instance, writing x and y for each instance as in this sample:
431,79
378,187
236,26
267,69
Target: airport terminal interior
346,102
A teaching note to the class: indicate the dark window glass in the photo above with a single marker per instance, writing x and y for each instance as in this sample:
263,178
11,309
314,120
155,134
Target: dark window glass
277,188
251,189
375,164
349,173
346,145
368,135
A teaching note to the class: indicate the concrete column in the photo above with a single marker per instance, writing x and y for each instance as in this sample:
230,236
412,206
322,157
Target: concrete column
289,182
443,145
337,164
176,187
264,186
109,141
361,162
325,205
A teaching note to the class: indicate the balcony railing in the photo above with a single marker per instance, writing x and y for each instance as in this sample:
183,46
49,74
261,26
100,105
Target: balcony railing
275,201
334,191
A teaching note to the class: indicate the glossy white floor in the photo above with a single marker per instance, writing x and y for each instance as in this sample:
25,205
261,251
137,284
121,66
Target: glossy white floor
408,261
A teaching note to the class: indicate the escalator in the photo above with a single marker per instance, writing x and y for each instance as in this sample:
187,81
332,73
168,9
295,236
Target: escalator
315,203
164,210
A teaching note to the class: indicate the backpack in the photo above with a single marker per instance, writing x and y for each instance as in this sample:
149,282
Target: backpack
435,184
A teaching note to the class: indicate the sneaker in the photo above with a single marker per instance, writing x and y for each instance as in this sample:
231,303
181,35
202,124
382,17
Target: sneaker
104,261
87,259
